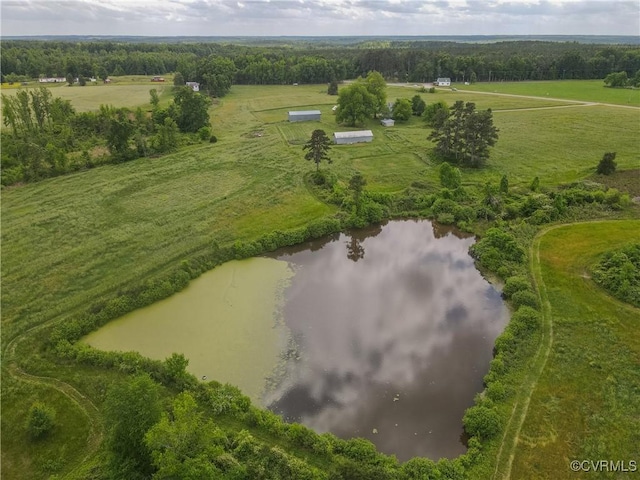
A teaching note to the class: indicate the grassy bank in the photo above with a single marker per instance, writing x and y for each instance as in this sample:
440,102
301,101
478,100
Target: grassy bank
586,403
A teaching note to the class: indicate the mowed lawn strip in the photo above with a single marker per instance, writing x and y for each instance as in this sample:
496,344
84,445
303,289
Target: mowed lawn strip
586,405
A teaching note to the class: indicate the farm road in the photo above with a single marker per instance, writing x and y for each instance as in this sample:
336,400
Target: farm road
533,97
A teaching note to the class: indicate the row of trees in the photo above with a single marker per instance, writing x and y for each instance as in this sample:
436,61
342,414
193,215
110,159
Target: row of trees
46,137
621,79
310,63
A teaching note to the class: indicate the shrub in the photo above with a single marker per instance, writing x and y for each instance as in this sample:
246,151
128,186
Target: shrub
481,422
40,421
526,318
525,298
444,205
496,391
204,133
446,218
213,139
607,165
515,284
450,176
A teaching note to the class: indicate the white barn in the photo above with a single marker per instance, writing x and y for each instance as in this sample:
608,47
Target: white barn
345,138
443,82
304,115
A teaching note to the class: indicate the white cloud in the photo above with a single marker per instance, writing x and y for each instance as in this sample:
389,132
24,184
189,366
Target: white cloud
320,17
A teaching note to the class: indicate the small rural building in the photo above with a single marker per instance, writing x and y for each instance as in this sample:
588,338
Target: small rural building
195,86
52,80
304,115
345,138
157,79
443,82
388,122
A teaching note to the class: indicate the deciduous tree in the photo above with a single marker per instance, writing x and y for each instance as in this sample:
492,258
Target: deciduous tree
402,109
355,104
130,410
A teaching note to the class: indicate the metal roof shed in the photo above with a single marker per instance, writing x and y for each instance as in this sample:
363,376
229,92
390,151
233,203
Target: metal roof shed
345,138
387,122
304,115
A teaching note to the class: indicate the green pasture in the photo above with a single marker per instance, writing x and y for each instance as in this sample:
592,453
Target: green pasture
583,90
90,97
586,404
70,241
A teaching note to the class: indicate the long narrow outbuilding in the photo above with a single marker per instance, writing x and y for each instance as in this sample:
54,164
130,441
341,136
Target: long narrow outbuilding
345,138
304,115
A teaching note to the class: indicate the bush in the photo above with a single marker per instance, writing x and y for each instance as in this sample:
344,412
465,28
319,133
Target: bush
607,165
450,176
40,421
496,391
515,284
446,218
204,133
213,139
526,318
525,298
481,422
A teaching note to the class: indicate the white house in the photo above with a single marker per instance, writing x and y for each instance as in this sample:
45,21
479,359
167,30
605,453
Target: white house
388,122
345,138
304,115
195,86
443,82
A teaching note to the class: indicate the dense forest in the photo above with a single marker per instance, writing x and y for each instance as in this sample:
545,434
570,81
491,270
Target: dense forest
305,62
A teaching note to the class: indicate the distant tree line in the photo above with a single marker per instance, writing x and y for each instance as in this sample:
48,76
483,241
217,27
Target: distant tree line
306,63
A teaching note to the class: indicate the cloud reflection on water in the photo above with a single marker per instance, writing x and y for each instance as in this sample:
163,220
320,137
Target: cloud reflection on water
396,338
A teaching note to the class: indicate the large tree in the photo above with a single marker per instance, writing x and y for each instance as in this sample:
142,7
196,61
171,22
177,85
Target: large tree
465,135
185,444
377,87
318,147
401,109
192,110
130,409
355,104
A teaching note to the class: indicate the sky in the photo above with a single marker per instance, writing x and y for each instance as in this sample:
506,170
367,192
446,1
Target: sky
319,17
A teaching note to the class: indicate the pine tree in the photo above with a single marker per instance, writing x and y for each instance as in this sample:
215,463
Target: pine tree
318,146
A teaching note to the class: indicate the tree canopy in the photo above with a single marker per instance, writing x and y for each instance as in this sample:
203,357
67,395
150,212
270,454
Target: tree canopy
466,135
355,104
318,147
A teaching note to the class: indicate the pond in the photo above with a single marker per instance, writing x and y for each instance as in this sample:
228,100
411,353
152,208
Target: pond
383,333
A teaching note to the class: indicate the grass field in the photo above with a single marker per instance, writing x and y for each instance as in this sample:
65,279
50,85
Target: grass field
584,90
71,240
586,405
90,97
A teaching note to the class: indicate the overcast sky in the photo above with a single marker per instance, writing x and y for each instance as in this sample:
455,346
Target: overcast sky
320,17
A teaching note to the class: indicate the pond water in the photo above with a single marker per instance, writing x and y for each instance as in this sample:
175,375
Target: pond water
383,333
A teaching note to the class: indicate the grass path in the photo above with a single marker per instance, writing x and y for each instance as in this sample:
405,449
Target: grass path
511,436
84,404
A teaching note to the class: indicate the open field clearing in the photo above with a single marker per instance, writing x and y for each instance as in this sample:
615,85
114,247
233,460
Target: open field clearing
150,213
583,90
586,404
90,97
73,240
